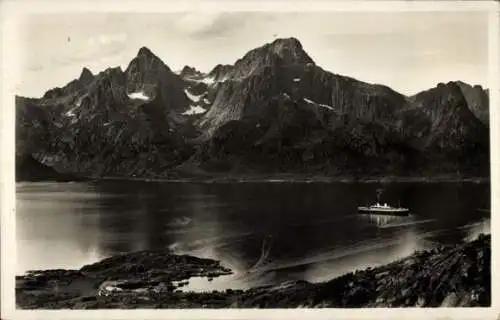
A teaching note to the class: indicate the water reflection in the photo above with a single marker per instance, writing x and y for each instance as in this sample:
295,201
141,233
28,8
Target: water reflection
386,220
392,221
53,227
214,231
366,254
266,233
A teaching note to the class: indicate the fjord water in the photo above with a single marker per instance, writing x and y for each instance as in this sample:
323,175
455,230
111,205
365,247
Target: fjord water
266,232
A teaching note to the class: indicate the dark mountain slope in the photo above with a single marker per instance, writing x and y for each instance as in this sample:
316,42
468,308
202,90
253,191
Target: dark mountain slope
273,111
77,85
29,169
277,111
477,100
124,123
450,136
147,74
283,68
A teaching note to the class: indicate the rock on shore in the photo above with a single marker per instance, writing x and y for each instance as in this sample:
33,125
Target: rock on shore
448,276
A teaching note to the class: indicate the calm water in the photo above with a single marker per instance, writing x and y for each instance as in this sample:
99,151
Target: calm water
278,231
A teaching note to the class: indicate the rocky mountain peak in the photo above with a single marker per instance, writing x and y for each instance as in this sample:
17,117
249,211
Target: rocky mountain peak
146,59
146,71
188,71
281,52
145,52
106,96
114,75
463,84
220,71
272,110
290,50
106,89
86,76
72,87
477,100
444,94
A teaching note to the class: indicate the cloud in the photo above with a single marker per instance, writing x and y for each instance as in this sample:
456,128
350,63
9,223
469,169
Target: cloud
88,55
201,24
96,48
107,39
409,51
195,22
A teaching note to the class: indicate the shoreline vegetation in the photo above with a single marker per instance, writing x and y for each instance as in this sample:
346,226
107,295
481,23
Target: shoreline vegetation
276,178
444,276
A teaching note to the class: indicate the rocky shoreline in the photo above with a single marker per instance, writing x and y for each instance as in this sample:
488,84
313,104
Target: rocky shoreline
268,179
307,179
283,178
450,276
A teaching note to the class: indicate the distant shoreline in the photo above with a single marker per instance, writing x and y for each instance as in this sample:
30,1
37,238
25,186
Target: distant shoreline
278,179
302,179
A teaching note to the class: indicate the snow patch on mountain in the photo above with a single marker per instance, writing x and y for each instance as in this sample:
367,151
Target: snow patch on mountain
192,97
71,112
319,104
194,110
208,80
140,95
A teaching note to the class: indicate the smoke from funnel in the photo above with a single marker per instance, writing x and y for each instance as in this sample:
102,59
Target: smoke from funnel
379,193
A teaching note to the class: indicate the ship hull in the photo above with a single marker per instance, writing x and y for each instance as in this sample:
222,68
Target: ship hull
389,212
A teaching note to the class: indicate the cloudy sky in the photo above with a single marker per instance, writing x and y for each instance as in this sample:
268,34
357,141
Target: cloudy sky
408,51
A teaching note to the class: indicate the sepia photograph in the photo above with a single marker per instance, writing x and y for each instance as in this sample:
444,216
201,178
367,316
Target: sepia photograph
251,159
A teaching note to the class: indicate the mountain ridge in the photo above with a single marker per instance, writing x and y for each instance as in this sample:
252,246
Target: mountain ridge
216,68
274,110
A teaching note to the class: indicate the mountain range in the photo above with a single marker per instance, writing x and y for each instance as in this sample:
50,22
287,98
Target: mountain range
274,111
